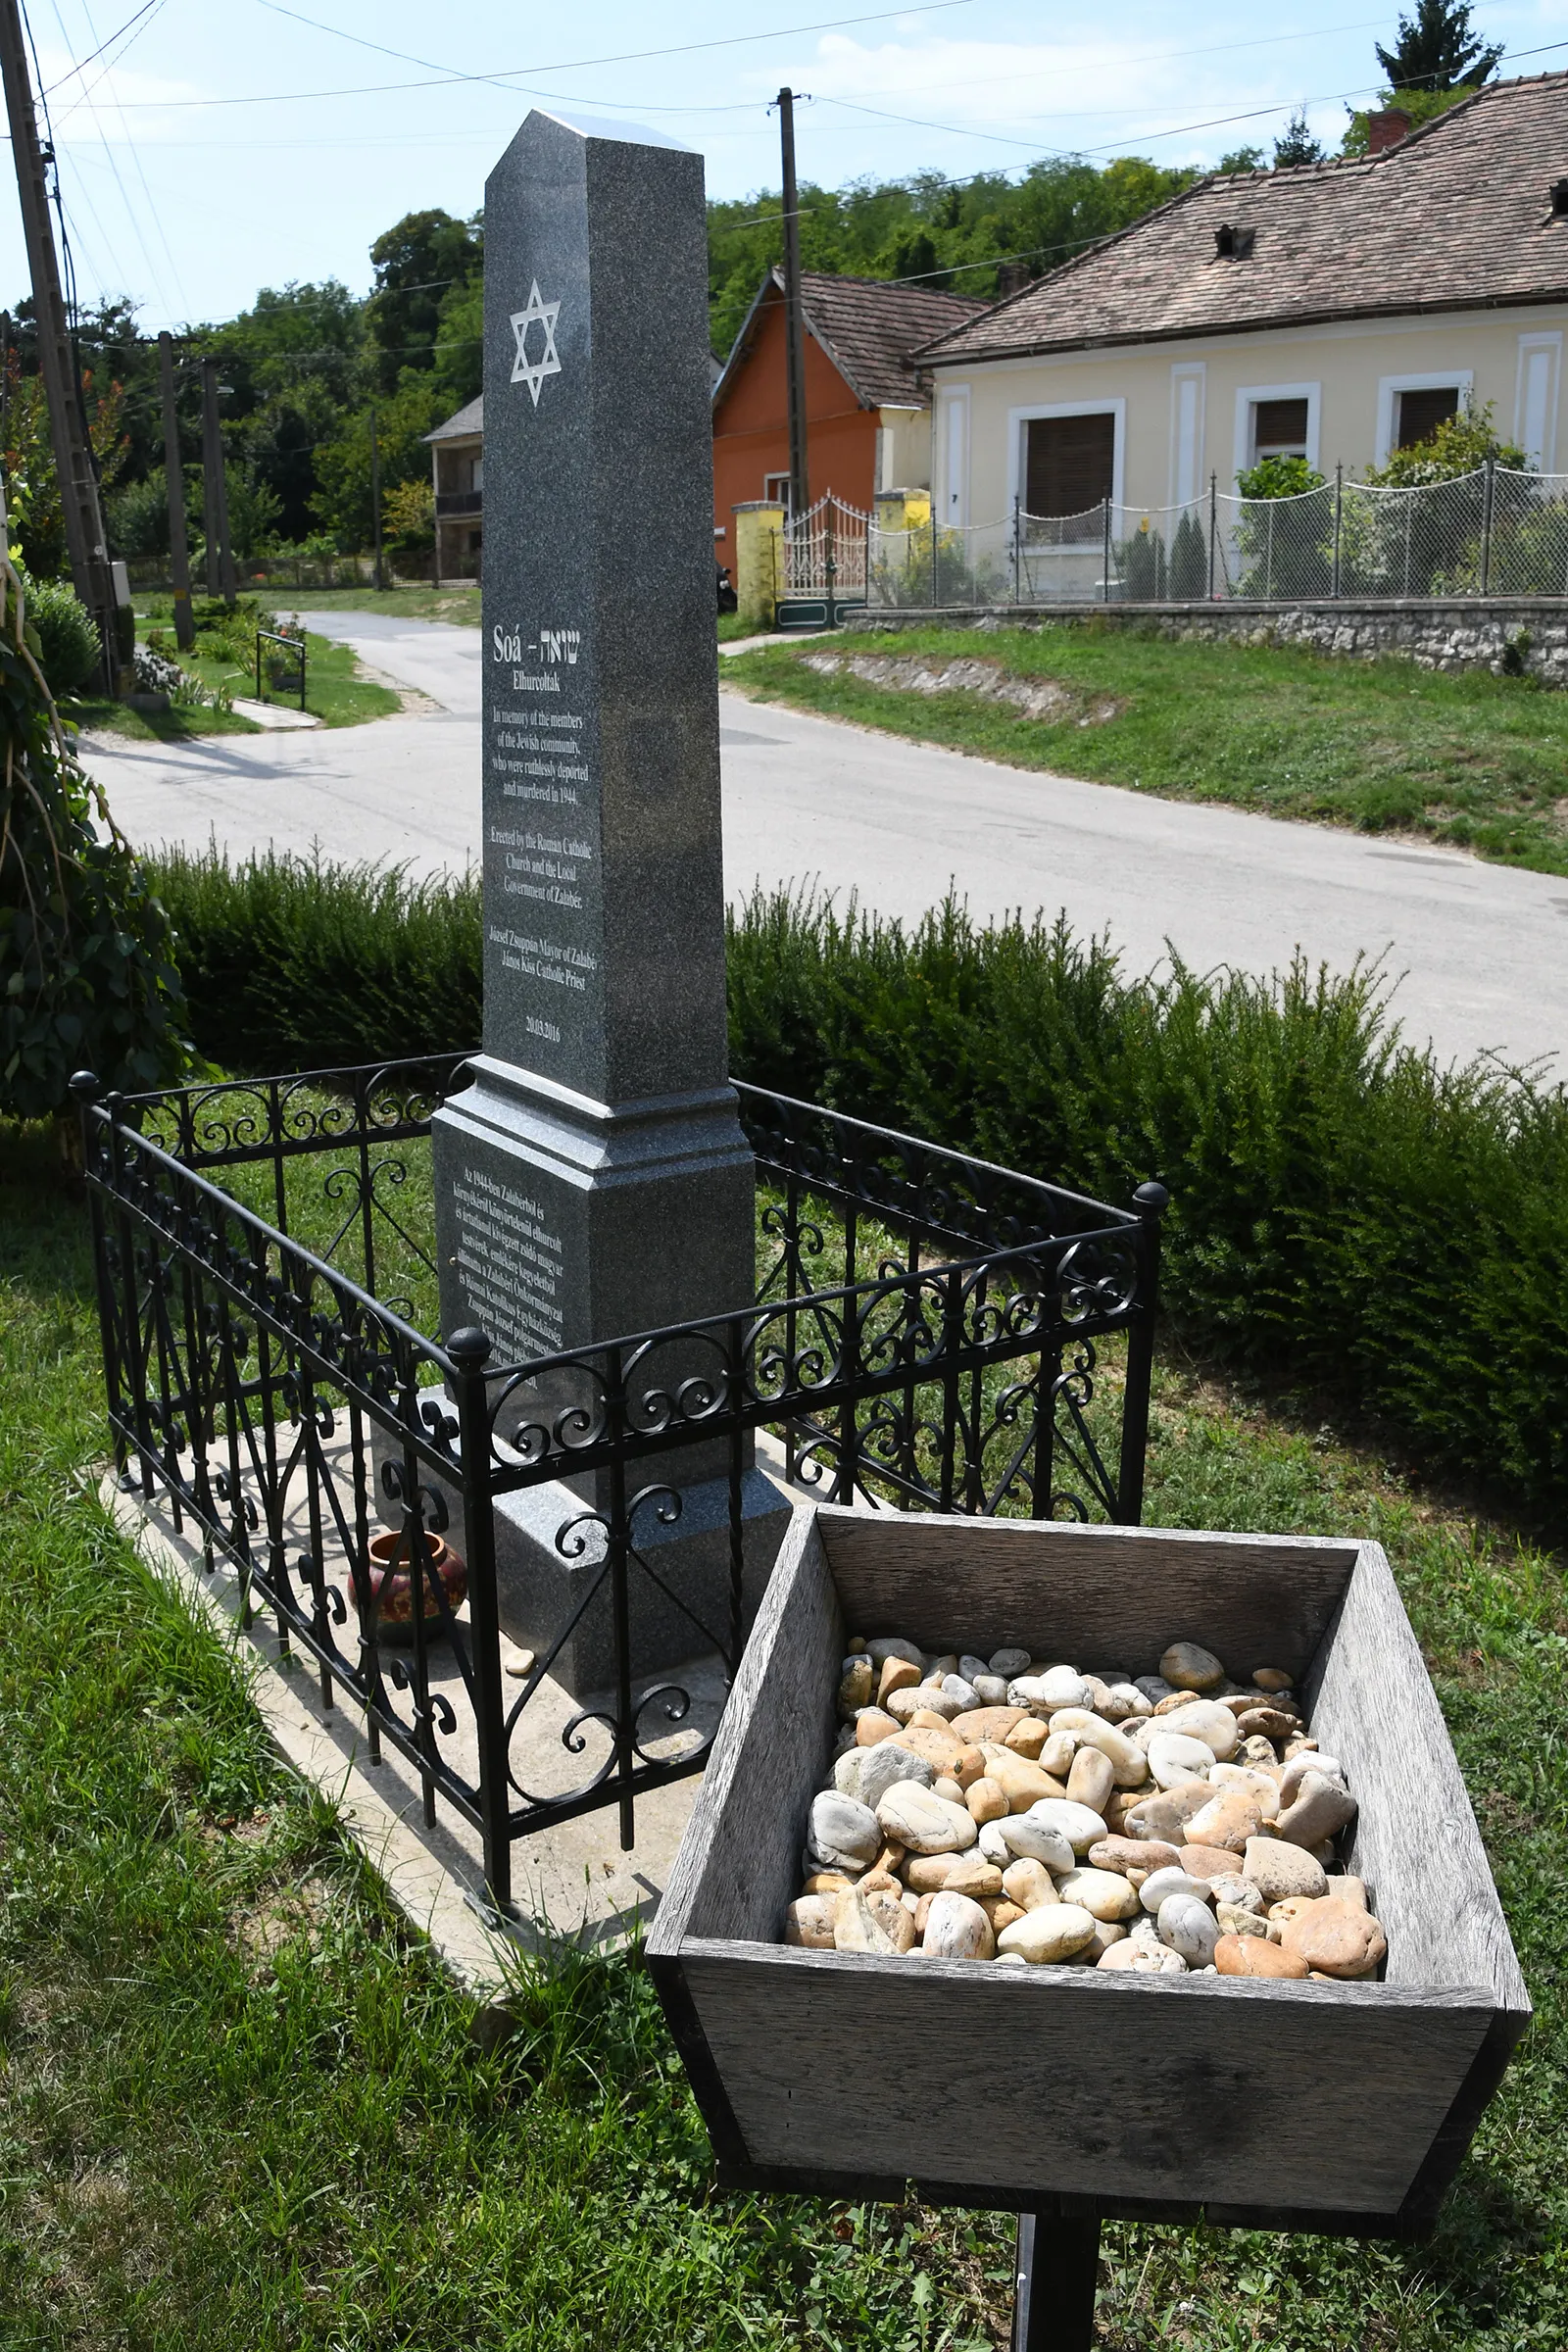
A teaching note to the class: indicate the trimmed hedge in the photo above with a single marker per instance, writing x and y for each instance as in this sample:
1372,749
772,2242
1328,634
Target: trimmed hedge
1345,1214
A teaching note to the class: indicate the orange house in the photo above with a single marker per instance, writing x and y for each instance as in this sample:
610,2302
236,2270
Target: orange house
867,413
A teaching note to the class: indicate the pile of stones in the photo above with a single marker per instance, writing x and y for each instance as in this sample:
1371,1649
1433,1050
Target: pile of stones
1026,1813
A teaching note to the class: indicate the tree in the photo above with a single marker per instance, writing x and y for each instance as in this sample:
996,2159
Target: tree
87,975
417,263
1435,50
1295,143
1241,158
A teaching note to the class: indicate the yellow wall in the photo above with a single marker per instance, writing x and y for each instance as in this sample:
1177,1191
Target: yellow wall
1170,440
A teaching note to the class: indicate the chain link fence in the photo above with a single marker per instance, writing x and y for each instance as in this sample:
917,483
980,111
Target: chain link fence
1494,532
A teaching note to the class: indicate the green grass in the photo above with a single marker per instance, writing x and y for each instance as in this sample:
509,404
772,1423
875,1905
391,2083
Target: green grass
408,603
237,2109
1471,760
98,715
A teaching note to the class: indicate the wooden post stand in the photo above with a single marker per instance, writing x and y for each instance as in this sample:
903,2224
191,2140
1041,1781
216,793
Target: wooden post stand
1054,2287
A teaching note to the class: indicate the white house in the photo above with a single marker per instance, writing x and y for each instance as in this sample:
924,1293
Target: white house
1334,310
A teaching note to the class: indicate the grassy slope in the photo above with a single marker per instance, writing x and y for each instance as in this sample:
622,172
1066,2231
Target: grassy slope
1472,760
238,2111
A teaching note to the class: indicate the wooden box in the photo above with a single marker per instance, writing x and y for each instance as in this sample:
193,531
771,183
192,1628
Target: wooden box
1343,2108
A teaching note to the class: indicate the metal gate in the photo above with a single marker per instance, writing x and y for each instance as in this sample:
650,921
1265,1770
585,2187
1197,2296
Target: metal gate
823,563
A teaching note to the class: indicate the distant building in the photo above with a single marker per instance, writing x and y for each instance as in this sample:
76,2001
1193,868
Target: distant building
1333,312
866,409
457,456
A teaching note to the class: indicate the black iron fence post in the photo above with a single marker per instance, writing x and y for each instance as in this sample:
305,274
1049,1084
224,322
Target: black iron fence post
85,1087
1214,529
1487,496
1104,585
470,1351
1152,1201
1017,550
1338,517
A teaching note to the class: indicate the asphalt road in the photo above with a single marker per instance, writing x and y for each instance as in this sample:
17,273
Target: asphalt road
1480,953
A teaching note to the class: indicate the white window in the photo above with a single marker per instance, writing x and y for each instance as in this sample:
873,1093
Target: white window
1410,407
1277,420
884,457
1188,383
776,489
1535,425
476,474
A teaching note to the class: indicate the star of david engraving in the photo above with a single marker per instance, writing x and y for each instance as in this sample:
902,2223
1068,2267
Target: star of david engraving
524,371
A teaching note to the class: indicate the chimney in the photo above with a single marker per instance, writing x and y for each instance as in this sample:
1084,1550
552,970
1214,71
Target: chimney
1386,129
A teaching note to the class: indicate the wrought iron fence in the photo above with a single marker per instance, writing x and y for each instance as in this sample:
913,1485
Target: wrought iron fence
926,1334
823,563
1494,532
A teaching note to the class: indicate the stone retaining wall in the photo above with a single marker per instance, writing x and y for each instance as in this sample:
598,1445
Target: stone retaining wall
1526,639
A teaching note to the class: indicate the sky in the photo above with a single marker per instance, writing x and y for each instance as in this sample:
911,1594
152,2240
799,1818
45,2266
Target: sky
209,147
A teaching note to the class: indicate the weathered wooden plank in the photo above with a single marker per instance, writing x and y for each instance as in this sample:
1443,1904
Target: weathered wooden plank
739,1859
1096,1596
1105,2087
1416,1843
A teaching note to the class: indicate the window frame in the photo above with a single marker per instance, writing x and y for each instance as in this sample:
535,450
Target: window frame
1546,344
1020,420
1463,380
1247,398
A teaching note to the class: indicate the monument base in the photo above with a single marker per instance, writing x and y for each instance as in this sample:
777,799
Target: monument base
539,1589
677,1579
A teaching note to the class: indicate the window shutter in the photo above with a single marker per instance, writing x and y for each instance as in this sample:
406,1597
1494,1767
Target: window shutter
1421,413
1072,463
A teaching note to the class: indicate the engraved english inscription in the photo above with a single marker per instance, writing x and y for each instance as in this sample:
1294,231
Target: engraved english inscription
509,1264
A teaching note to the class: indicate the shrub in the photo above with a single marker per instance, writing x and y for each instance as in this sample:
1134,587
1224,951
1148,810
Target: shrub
290,963
87,974
67,639
1344,1214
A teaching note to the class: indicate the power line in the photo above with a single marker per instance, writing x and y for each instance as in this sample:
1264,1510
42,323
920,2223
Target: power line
146,5
508,76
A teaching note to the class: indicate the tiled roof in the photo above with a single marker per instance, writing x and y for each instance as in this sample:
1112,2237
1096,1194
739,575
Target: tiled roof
868,327
466,420
1457,217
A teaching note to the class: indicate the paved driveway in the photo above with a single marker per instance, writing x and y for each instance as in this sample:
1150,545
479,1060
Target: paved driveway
1483,950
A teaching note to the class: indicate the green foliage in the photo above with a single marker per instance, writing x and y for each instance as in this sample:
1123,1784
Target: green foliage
1422,107
228,633
67,639
343,460
408,513
418,263
1278,477
1296,144
1435,49
137,517
86,979
902,228
1241,159
1459,445
293,965
1345,1214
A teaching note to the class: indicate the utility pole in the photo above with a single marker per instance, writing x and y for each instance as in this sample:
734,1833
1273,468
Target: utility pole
57,360
175,481
375,498
794,325
215,492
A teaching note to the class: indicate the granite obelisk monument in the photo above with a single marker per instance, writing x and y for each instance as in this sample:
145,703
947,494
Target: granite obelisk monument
593,1180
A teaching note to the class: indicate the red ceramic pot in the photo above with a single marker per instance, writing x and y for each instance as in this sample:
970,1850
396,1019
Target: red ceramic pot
392,1586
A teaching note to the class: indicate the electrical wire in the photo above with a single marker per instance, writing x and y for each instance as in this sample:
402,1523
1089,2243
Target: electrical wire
136,154
152,5
510,78
124,194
